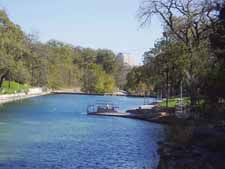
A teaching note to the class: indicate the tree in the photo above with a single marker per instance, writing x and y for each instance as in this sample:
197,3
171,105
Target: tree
97,81
61,69
187,22
37,61
12,51
136,81
55,64
214,86
106,58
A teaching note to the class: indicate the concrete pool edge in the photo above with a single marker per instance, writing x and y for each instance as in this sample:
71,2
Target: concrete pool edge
15,97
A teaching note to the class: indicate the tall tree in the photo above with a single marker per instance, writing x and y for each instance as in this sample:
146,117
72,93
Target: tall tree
215,82
106,58
187,22
12,51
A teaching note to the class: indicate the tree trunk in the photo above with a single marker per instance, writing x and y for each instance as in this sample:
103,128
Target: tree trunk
192,87
9,85
167,88
193,94
1,81
3,77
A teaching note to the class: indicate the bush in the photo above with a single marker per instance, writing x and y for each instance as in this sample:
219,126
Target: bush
13,87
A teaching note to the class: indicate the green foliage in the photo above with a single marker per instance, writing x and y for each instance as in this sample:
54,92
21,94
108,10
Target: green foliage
13,87
172,103
137,83
214,86
167,62
54,64
12,50
96,80
197,59
106,58
60,65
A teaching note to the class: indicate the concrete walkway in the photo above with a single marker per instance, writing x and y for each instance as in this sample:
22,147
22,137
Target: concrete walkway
6,98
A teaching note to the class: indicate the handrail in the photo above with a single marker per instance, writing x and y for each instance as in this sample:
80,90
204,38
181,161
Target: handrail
97,107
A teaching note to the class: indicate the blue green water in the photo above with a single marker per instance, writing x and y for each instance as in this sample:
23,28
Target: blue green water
54,132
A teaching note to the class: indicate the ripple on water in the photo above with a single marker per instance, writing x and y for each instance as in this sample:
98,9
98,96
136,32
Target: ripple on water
36,137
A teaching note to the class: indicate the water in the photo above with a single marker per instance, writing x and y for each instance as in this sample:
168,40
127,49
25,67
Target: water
54,132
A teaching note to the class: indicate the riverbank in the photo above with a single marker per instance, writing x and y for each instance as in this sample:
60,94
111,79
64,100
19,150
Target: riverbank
98,94
33,92
157,118
150,113
194,147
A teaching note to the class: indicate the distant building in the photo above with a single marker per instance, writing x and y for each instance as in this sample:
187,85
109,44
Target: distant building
126,59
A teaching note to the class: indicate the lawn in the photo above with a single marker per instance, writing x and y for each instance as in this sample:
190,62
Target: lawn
13,87
172,103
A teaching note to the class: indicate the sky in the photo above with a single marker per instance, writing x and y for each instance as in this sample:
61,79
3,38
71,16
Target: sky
110,24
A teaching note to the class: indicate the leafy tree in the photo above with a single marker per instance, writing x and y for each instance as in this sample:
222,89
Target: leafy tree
97,81
214,86
136,81
61,69
187,22
54,64
106,58
12,50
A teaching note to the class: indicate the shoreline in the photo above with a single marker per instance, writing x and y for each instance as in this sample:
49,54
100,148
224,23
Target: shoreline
153,117
97,94
171,154
20,96
156,118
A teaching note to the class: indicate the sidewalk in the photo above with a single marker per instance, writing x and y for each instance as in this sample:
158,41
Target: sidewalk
34,92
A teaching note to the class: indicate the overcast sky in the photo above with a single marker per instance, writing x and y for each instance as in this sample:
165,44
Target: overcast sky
87,23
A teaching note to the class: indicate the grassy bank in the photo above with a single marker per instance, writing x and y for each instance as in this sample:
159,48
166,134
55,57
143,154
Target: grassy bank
13,87
173,102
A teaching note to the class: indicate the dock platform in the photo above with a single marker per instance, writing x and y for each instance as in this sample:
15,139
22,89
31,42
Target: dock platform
119,114
155,119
